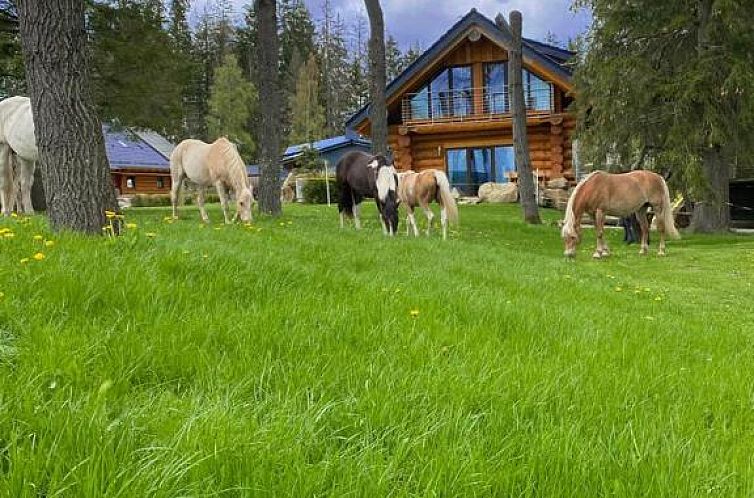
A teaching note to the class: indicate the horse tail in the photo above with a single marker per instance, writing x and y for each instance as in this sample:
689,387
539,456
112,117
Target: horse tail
345,199
570,221
446,197
667,212
176,160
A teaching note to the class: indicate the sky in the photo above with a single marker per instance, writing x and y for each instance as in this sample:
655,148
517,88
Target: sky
424,21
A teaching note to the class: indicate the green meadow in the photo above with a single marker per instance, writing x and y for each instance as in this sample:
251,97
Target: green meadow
292,358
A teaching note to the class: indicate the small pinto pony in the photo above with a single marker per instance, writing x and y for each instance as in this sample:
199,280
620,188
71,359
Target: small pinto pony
359,175
217,164
622,194
419,189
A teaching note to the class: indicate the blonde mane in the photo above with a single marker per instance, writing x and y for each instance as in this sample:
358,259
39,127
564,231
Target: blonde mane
236,169
570,222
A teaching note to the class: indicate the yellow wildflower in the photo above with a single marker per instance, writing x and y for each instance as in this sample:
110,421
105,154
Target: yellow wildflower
658,298
38,237
290,223
24,261
39,256
49,243
414,313
619,289
205,256
14,215
131,226
9,235
110,214
282,224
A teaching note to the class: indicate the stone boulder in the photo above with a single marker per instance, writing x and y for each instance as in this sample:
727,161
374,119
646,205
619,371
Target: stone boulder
557,183
556,198
498,193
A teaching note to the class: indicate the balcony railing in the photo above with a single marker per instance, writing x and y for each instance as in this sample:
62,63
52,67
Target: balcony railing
472,104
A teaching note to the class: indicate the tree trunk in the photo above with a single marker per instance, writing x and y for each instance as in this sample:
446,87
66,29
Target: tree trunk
526,187
377,78
76,175
269,96
38,191
712,214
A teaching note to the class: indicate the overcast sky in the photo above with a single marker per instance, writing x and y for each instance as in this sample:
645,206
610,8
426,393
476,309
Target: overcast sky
423,21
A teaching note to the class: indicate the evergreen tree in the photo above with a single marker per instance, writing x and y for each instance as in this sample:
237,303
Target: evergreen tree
139,75
296,32
357,71
333,55
393,59
413,53
11,59
671,85
308,116
232,100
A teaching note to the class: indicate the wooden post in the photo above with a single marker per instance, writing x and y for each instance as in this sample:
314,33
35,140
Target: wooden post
526,188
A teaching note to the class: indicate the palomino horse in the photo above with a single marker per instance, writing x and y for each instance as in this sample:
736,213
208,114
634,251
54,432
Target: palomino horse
217,164
419,189
359,175
17,136
623,194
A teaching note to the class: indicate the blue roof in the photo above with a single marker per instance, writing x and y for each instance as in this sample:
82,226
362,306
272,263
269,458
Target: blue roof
127,150
253,170
326,145
552,58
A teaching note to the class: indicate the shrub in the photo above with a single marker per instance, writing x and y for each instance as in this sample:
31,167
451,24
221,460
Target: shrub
315,190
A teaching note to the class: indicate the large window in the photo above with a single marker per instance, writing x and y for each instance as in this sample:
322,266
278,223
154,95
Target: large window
537,92
469,168
449,94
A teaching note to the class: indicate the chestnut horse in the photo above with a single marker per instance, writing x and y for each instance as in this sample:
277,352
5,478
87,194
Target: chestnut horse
622,194
419,189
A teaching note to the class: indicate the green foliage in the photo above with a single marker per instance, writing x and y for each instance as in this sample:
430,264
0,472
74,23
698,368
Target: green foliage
315,190
12,77
307,114
233,99
284,361
662,82
139,73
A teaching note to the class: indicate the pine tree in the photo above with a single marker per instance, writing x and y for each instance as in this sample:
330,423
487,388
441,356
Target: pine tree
308,122
11,59
393,58
125,87
413,53
232,101
333,55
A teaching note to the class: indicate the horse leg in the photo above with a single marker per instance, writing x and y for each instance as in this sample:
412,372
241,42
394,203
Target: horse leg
25,173
599,227
175,193
356,210
223,200
7,183
444,222
200,203
660,215
412,222
430,216
641,216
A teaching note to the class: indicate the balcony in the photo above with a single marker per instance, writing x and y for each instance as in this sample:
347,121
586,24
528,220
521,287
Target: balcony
473,105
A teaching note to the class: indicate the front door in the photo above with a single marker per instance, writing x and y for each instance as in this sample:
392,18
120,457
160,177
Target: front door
469,168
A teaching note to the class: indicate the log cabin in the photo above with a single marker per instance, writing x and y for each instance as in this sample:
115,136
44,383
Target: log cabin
139,161
450,109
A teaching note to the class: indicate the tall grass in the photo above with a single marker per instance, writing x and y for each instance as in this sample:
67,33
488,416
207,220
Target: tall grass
291,358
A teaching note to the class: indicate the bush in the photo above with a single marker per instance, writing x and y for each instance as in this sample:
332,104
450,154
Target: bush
315,190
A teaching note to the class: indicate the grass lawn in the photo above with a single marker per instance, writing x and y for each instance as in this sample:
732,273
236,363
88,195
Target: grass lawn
295,359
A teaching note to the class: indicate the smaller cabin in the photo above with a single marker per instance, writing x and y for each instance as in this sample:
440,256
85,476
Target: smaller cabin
450,109
330,150
138,164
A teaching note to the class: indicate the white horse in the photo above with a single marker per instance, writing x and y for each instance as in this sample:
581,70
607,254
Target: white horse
205,165
17,136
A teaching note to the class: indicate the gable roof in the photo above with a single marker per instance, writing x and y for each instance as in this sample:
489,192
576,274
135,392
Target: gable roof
126,150
550,58
326,145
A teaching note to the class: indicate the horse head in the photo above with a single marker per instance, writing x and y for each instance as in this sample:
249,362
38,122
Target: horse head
244,201
571,238
387,193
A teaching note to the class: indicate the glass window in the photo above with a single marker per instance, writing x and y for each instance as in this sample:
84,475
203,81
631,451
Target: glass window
481,165
495,89
131,182
420,104
441,98
461,83
160,182
457,170
505,161
538,95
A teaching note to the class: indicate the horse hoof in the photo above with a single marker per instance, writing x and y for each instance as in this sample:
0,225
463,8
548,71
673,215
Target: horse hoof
661,253
597,255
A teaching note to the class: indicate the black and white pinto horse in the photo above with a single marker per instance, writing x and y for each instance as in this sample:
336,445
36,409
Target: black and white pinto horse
359,175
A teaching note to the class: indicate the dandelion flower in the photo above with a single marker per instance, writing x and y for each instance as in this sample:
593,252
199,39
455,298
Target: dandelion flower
619,289
658,298
49,243
39,256
290,223
24,261
110,214
38,237
205,256
414,313
131,226
9,235
14,215
282,224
